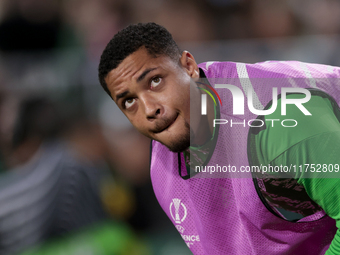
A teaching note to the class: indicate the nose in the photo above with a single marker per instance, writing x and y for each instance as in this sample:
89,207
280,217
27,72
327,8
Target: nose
152,106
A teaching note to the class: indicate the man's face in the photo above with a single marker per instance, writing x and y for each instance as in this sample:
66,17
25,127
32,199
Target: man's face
154,93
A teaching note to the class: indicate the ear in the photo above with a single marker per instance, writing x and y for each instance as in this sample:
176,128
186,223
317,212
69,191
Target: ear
188,62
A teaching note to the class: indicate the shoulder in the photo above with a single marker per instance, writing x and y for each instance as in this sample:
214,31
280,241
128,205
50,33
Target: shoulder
268,69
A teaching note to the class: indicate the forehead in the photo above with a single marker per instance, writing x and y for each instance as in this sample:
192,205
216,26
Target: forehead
133,66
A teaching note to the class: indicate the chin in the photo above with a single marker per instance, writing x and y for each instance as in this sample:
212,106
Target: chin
180,142
179,147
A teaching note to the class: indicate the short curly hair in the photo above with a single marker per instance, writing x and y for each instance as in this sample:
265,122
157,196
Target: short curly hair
155,38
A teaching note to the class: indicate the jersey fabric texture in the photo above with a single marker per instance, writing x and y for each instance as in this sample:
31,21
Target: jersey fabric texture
313,147
227,215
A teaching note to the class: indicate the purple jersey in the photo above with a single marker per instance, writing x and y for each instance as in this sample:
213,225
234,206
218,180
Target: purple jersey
224,214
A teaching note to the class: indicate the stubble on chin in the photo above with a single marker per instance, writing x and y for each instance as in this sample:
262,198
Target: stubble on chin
182,143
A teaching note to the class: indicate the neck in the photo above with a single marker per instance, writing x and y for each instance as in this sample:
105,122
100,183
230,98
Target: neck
206,129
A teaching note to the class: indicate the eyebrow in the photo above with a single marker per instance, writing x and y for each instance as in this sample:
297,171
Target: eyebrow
142,76
123,94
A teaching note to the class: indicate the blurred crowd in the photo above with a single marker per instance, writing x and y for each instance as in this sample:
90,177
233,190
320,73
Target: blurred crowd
40,25
74,174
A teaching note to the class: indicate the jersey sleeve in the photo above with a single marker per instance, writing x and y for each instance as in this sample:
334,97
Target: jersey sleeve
318,157
311,150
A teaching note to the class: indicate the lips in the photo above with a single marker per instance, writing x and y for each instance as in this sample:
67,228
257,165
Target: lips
165,126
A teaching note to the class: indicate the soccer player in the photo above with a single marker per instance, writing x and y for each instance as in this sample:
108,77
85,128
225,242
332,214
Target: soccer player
244,156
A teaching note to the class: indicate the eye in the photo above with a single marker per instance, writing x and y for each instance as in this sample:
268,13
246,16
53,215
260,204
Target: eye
129,102
155,81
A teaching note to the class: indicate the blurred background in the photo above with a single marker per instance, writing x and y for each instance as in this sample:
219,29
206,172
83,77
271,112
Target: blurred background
74,175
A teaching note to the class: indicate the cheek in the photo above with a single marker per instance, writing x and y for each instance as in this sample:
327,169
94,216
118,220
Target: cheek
181,95
143,131
184,100
139,125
